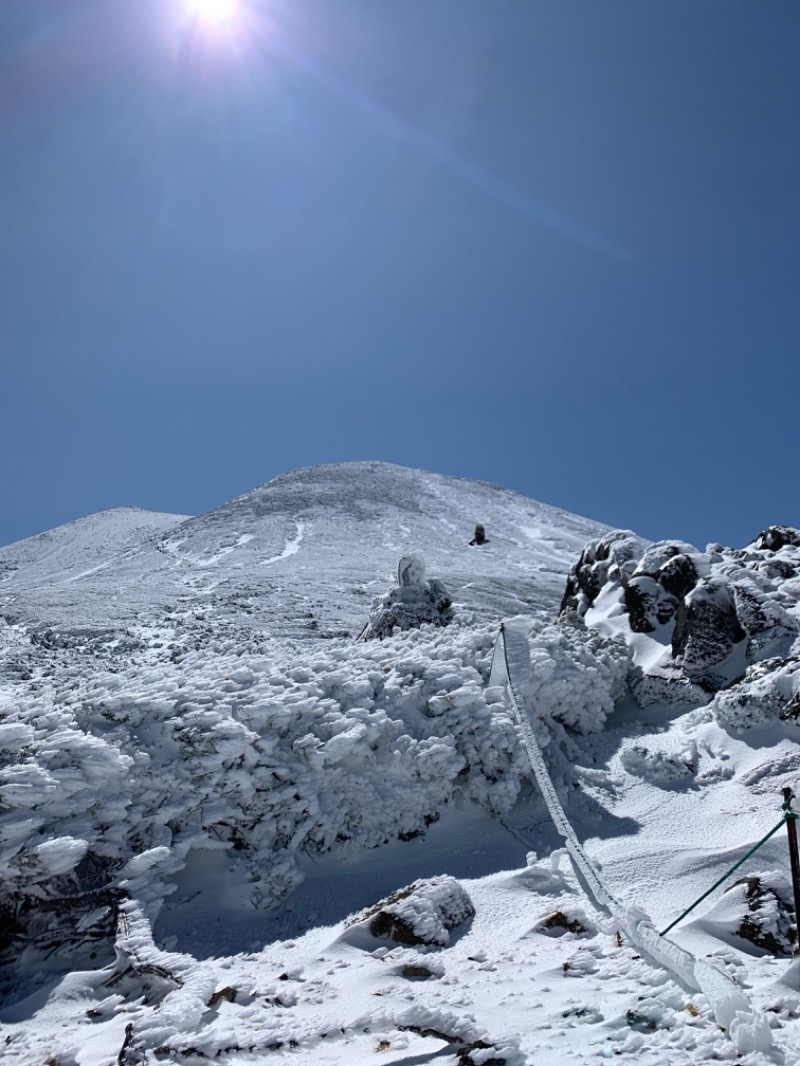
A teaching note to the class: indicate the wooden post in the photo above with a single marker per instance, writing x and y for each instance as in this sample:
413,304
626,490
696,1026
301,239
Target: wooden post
791,830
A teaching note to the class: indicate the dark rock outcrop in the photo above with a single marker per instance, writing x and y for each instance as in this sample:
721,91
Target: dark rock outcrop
776,537
771,631
678,576
648,604
770,690
767,921
706,628
715,612
600,561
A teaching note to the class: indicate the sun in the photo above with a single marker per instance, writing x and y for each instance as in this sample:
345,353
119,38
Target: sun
213,12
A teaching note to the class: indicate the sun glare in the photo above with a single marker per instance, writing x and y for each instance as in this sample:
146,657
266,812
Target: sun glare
213,12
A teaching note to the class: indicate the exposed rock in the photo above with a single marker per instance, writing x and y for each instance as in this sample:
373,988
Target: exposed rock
678,576
560,922
758,908
774,643
656,557
769,690
413,602
791,712
776,537
750,608
715,613
769,919
706,628
479,536
648,604
666,685
424,913
417,972
600,561
770,629
663,767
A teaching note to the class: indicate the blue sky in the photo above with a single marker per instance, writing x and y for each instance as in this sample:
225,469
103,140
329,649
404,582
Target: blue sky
553,244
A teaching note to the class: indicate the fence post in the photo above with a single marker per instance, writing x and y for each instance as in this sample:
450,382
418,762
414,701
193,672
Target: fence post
791,830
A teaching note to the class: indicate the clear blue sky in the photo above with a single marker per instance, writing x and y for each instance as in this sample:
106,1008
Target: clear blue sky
553,244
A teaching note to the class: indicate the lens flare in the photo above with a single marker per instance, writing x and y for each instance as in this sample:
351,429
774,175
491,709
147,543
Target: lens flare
213,12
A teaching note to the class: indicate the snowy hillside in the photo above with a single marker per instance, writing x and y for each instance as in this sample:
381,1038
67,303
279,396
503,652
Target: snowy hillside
301,556
209,783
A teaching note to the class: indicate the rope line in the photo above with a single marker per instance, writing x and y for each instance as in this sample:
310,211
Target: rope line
547,789
729,1003
725,876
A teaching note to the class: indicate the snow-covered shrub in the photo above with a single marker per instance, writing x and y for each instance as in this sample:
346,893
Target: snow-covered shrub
577,676
64,797
111,780
61,794
659,765
480,722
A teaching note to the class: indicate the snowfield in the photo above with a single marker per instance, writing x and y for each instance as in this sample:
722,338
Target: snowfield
210,787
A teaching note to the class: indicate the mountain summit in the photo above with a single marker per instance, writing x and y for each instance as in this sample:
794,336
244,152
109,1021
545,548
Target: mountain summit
304,554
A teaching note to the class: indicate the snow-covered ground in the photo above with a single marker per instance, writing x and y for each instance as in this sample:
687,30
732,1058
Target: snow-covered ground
207,780
302,556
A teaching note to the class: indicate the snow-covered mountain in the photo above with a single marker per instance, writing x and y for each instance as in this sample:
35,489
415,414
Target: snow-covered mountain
209,783
302,555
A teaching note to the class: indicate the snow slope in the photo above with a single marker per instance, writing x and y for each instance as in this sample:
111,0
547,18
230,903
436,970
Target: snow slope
302,555
204,781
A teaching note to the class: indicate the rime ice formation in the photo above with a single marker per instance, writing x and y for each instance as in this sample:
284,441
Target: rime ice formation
204,777
413,602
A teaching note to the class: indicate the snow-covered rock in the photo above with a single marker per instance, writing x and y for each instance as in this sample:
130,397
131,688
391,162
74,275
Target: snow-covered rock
769,690
415,601
425,913
759,909
693,621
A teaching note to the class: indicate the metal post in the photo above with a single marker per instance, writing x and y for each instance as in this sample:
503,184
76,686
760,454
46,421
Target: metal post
791,829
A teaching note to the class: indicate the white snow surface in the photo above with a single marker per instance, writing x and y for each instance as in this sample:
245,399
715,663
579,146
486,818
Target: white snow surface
203,779
303,555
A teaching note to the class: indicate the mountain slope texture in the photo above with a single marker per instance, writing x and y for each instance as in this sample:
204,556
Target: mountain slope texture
262,794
